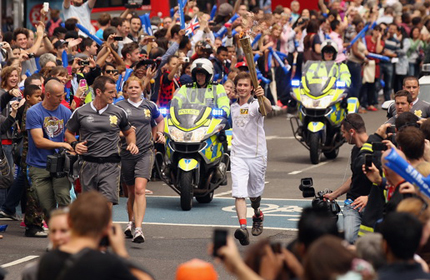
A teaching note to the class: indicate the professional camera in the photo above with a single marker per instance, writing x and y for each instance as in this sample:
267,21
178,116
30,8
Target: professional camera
60,164
306,186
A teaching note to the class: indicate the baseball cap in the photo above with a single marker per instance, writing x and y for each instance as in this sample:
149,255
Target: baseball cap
196,269
60,43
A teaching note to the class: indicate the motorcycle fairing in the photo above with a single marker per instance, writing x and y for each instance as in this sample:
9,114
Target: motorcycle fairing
316,126
188,164
213,150
353,105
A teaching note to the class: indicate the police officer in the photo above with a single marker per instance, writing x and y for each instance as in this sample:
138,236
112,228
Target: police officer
202,72
329,52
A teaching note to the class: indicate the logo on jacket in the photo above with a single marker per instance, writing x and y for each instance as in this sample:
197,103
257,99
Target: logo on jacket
113,120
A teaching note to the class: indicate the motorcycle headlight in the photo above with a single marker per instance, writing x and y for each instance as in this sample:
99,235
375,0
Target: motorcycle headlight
320,103
178,135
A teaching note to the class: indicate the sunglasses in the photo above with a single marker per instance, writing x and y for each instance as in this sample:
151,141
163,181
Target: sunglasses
115,72
350,123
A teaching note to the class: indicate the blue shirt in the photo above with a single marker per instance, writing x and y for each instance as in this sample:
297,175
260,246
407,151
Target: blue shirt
52,123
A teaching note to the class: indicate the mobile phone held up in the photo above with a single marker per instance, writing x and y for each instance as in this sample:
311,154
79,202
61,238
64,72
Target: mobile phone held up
220,240
368,161
82,83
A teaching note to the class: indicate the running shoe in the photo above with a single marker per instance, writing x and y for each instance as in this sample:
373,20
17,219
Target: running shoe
35,232
257,224
242,235
138,236
128,230
6,216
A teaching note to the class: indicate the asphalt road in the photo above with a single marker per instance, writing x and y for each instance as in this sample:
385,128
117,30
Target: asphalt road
174,236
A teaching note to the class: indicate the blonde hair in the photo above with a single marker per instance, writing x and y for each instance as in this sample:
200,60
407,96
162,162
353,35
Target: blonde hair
417,206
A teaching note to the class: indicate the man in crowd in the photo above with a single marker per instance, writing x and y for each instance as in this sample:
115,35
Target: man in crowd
46,123
80,10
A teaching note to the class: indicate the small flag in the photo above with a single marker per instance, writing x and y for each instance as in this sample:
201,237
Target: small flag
193,25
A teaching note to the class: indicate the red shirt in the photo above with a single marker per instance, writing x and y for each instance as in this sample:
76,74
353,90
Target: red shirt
371,48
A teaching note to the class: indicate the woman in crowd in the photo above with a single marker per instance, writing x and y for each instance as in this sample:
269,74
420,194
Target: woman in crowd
136,169
415,52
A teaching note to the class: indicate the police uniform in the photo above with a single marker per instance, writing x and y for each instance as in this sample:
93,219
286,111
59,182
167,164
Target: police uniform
101,166
249,151
215,96
319,69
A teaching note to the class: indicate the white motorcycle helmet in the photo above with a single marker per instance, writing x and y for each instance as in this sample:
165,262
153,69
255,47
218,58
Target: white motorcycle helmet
329,45
202,65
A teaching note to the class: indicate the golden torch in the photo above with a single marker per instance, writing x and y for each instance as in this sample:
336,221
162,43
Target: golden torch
245,41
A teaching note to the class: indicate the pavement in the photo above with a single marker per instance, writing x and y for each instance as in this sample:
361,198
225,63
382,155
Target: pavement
174,236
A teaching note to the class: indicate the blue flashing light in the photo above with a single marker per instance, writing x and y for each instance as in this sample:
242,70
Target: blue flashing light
216,112
295,83
340,84
164,111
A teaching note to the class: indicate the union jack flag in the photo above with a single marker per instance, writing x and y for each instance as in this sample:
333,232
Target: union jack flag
193,25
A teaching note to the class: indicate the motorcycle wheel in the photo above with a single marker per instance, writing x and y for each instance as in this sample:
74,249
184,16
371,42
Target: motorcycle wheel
315,147
205,199
333,154
186,187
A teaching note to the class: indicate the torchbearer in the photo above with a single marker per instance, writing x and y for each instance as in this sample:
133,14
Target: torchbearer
249,153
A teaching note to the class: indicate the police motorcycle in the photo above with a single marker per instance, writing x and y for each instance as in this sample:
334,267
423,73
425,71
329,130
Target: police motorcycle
322,105
195,161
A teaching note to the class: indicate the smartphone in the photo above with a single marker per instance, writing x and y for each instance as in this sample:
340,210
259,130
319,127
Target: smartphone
379,146
220,240
104,242
46,6
157,63
368,161
84,63
118,38
30,55
391,129
82,83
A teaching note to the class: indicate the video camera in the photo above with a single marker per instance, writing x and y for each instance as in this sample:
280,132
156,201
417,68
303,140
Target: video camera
61,164
306,186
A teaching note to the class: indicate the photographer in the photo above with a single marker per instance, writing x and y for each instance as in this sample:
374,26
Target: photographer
357,187
46,122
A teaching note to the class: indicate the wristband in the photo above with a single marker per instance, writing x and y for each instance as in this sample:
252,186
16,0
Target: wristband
73,144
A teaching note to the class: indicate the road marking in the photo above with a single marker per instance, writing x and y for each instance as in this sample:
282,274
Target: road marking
201,225
308,168
274,137
22,260
221,194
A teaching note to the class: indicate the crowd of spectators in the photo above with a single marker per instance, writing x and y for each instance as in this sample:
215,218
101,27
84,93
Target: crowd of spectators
50,73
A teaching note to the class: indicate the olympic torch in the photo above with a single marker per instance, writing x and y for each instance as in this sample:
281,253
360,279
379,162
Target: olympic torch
245,41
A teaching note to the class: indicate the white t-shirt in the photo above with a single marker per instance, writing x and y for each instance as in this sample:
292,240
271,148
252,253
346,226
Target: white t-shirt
249,138
83,13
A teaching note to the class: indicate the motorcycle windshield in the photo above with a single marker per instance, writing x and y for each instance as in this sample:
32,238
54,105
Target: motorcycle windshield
189,106
318,77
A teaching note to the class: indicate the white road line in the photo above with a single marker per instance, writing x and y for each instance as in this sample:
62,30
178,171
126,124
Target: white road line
308,168
274,137
199,225
230,198
221,194
22,260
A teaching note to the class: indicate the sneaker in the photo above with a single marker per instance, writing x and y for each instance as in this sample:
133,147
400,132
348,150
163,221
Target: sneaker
138,236
257,224
22,225
242,235
5,216
45,226
35,232
372,108
128,230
